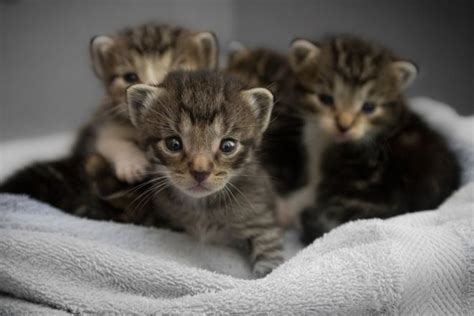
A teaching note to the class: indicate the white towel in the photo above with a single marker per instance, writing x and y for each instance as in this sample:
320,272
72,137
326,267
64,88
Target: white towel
52,262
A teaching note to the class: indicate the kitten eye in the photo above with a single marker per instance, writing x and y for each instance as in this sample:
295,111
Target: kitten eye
228,145
173,144
130,77
326,99
368,107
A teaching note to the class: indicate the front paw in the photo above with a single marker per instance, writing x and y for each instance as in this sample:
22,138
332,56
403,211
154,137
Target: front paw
132,170
263,267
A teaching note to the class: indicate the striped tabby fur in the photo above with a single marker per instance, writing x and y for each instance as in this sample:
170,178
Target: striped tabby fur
380,159
213,193
142,54
283,153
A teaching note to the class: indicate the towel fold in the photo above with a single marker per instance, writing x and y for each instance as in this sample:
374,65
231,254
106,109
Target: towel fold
53,263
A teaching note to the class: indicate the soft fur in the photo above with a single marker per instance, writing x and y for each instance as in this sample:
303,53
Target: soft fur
376,158
145,53
283,153
185,124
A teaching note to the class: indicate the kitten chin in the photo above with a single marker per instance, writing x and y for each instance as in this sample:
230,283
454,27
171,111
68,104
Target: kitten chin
380,159
203,129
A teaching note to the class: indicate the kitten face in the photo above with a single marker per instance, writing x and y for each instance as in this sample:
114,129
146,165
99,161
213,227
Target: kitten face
350,86
200,128
146,54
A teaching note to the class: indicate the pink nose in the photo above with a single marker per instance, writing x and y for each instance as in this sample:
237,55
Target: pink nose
200,176
342,128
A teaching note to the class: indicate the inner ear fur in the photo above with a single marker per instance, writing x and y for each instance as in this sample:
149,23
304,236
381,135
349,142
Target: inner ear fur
236,51
99,47
261,102
405,71
140,98
302,52
208,49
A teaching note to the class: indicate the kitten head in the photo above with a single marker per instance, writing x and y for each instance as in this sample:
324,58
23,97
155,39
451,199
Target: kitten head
258,67
201,128
351,87
147,53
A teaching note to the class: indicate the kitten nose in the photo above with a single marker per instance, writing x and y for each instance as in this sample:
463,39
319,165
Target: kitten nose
342,128
200,167
200,176
344,122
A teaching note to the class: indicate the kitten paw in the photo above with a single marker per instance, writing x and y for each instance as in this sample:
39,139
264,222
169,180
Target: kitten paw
131,170
263,267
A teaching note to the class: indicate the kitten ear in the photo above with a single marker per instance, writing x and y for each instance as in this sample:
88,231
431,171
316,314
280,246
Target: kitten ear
236,51
261,102
139,99
236,46
99,47
208,49
302,51
405,72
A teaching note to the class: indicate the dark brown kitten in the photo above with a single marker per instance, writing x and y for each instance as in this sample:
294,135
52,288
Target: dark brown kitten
283,154
202,131
375,157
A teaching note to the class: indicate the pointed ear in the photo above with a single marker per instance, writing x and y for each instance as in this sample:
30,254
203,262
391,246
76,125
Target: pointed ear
302,51
405,72
236,51
261,102
140,98
99,47
208,49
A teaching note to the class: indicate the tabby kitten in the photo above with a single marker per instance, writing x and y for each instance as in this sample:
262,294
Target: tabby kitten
283,153
83,183
202,130
144,54
372,155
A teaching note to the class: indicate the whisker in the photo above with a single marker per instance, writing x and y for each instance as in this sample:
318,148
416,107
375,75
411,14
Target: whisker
243,195
143,194
155,189
141,185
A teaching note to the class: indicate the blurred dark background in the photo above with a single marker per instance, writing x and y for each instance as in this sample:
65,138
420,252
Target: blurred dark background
47,85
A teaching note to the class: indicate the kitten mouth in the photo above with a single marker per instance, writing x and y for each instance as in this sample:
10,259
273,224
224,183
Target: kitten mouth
199,188
341,138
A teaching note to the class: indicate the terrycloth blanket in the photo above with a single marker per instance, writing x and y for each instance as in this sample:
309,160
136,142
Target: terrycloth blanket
423,263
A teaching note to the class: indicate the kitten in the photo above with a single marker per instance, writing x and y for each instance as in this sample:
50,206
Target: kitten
283,153
63,182
202,131
145,54
372,155
142,54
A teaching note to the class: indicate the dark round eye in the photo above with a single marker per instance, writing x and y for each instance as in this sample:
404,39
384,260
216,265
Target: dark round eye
326,99
228,145
173,144
368,107
130,77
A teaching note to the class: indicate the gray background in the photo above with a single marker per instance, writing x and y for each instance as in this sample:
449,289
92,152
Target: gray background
47,85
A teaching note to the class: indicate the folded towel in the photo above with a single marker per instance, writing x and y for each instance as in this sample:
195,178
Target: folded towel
52,262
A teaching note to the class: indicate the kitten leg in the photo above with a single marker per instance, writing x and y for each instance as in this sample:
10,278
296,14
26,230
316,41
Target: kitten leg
131,166
265,245
115,144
